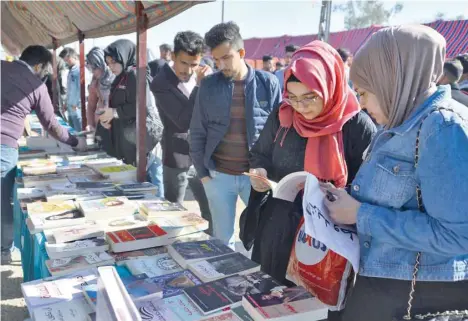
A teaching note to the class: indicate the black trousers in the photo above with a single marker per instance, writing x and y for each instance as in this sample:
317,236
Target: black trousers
376,299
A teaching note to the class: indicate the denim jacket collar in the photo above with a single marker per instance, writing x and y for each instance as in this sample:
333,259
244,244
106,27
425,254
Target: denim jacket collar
443,92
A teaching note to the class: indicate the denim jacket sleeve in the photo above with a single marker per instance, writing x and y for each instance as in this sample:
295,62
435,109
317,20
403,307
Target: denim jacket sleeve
276,93
197,137
73,88
443,229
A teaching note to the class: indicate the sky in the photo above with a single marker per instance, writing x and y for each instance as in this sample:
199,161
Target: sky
262,18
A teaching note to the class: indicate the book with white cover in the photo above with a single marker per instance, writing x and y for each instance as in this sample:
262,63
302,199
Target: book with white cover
24,193
113,301
59,267
39,223
75,233
181,223
154,266
50,208
107,207
44,180
81,247
119,223
53,290
75,310
287,188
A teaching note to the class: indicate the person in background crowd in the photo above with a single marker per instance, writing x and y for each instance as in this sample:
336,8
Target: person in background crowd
453,71
318,128
268,64
279,66
165,57
61,93
207,61
347,58
175,89
463,83
120,118
409,198
289,51
73,104
99,89
24,92
230,110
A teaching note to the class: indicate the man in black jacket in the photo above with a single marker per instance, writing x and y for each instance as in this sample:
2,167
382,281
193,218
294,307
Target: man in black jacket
175,89
165,52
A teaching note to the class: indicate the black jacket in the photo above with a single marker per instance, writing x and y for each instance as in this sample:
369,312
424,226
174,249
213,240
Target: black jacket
156,66
273,222
175,110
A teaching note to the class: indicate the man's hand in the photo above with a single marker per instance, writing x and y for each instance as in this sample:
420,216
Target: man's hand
82,146
205,179
202,72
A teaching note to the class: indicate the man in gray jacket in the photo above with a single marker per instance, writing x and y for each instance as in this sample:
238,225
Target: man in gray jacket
230,111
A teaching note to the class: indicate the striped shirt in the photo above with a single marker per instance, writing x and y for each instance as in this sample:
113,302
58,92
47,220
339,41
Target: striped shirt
231,156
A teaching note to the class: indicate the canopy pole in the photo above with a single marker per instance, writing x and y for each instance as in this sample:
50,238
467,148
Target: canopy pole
55,96
142,26
82,80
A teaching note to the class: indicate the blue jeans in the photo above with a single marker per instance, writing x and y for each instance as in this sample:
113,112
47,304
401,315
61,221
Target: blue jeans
74,119
8,161
222,192
154,172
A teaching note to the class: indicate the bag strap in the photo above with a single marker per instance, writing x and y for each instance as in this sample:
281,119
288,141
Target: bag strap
421,209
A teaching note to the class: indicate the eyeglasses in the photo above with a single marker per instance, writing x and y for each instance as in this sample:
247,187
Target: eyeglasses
304,102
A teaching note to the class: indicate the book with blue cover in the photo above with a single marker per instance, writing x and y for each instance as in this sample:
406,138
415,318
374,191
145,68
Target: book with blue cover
191,252
140,287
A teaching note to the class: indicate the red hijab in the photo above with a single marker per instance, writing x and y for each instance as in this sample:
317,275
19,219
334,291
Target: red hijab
319,67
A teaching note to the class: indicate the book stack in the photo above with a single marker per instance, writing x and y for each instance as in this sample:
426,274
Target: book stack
48,215
118,173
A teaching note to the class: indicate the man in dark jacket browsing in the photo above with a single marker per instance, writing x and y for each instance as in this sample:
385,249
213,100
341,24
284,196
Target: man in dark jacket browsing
175,89
230,111
24,92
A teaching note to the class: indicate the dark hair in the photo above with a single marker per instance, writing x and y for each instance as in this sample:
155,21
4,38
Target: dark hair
68,52
267,58
34,55
291,48
344,54
453,70
165,47
464,61
190,42
224,32
293,78
279,64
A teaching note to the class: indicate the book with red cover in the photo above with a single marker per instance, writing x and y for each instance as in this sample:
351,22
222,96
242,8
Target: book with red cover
138,238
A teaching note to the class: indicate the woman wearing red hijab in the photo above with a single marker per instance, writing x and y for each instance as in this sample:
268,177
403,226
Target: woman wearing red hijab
318,128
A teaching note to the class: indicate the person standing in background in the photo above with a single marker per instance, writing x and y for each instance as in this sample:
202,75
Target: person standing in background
347,58
23,92
230,111
453,71
463,83
73,103
268,64
289,51
165,57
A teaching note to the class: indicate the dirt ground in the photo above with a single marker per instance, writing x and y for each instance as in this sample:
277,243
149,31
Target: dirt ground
12,303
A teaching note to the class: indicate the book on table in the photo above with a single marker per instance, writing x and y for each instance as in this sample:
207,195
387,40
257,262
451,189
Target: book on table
287,188
160,207
191,252
222,266
123,257
119,173
74,310
180,224
138,187
75,233
241,314
138,238
107,207
228,292
110,224
44,180
59,267
285,304
76,248
154,266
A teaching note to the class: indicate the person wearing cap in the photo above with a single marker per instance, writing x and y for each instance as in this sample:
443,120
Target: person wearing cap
463,82
453,71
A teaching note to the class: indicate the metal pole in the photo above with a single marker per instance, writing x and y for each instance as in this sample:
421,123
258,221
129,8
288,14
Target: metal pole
82,80
142,26
222,11
328,22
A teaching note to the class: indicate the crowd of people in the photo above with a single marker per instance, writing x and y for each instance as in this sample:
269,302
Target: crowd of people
385,131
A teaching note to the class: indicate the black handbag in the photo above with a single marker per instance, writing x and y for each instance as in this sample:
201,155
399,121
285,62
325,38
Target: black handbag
436,316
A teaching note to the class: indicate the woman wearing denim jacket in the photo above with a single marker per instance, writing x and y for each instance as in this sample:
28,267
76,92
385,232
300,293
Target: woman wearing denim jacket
395,74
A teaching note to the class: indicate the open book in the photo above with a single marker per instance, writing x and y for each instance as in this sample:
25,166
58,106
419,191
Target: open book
287,188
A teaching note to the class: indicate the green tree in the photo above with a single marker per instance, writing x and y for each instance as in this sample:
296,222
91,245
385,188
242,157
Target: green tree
361,14
460,17
440,16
